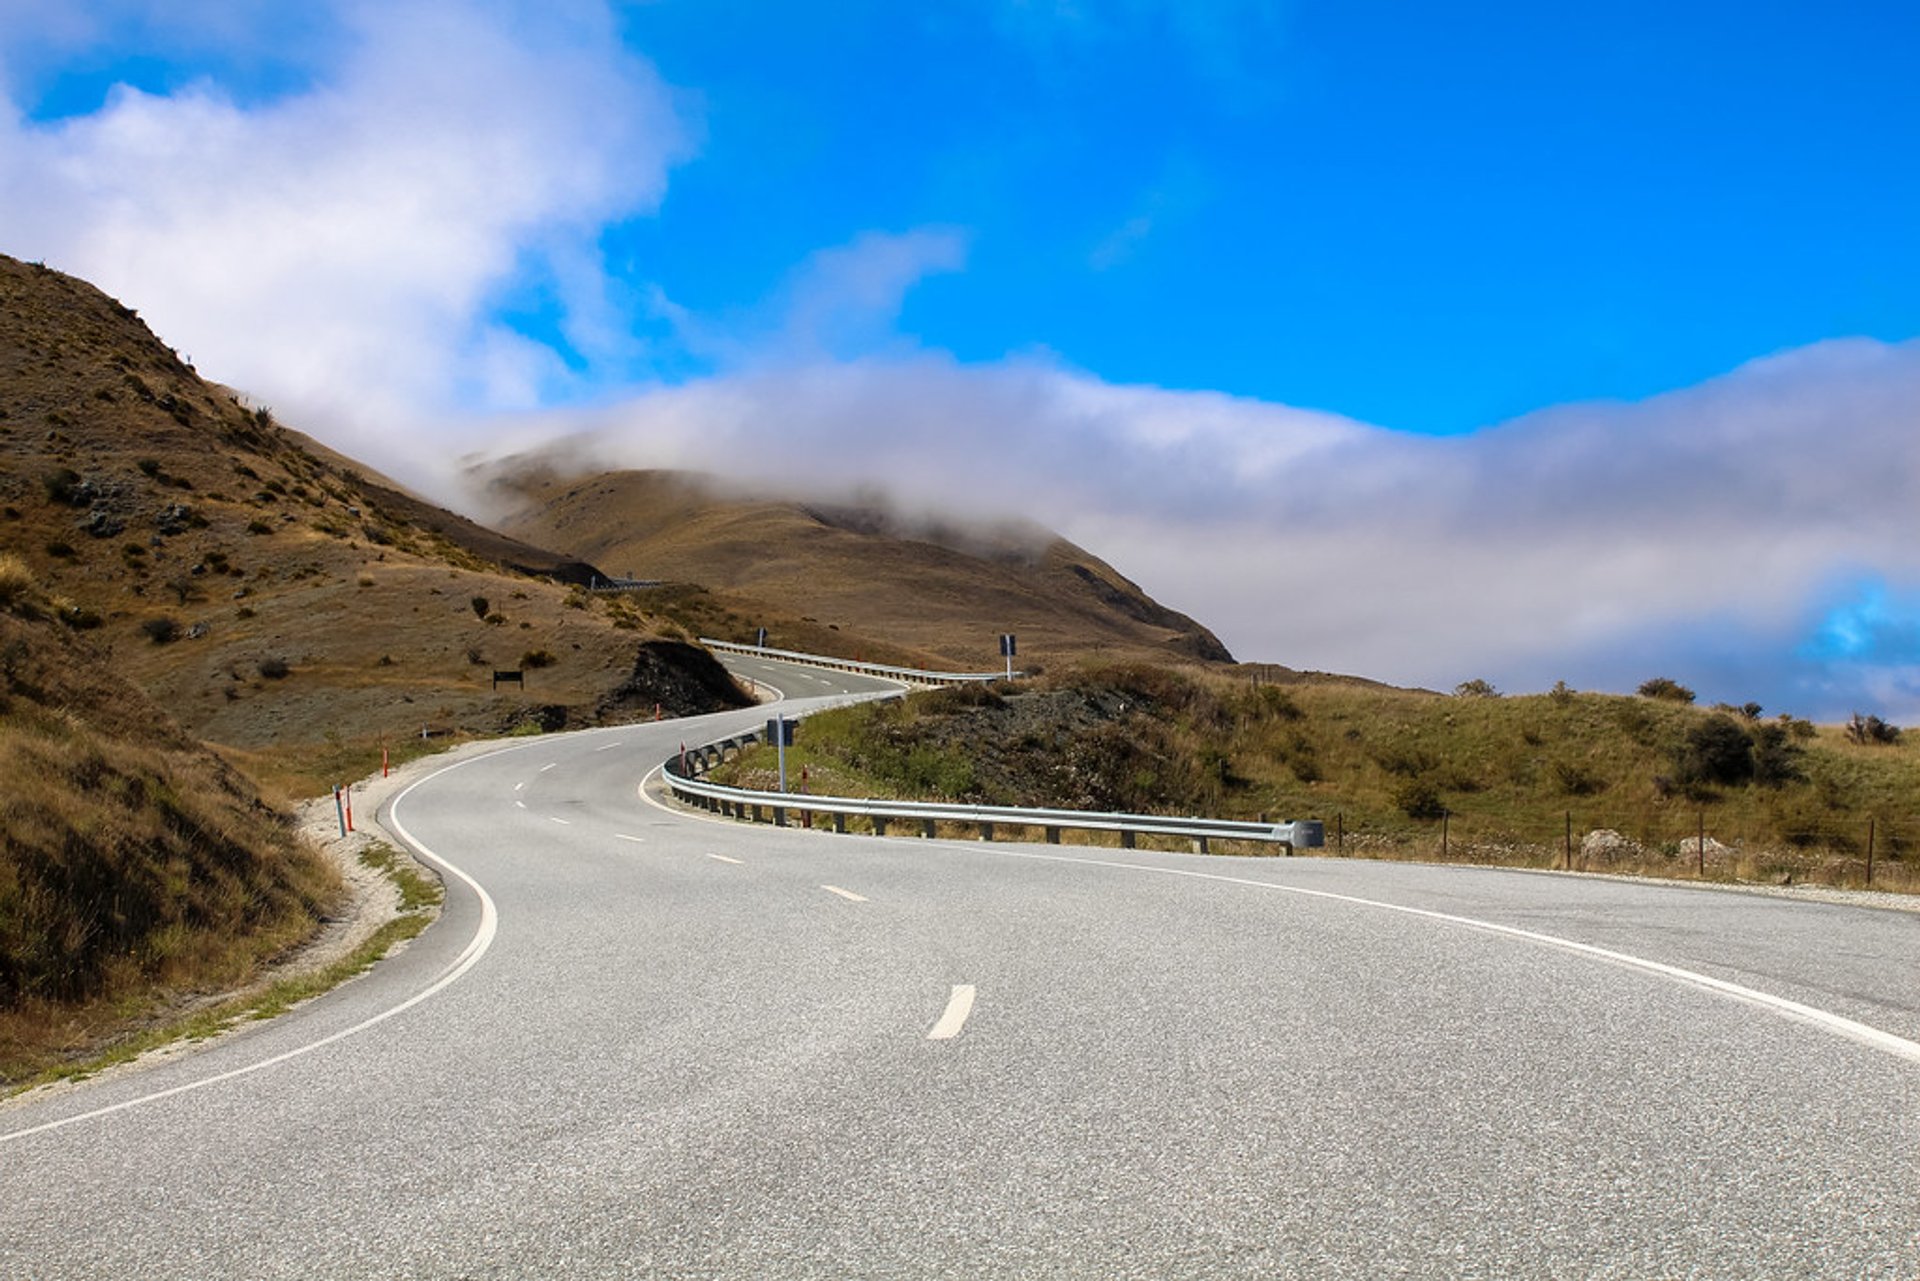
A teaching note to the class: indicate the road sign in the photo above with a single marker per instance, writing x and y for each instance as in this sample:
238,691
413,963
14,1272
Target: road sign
762,642
1007,648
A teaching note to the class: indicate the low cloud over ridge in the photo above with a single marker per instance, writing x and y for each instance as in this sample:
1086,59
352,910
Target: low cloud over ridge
1705,534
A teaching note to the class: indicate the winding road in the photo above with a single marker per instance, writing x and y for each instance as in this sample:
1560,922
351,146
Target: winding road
643,1042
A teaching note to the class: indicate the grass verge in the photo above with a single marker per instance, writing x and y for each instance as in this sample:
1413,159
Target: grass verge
420,896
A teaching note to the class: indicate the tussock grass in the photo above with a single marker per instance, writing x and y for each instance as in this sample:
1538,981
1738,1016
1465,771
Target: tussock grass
419,898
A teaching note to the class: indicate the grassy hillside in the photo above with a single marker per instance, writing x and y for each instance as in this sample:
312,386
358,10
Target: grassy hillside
1506,778
268,593
135,865
851,577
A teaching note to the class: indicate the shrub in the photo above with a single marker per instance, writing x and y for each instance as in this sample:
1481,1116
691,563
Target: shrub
480,606
275,669
1716,751
1475,688
258,526
1776,760
1671,691
63,486
16,581
1869,730
1417,799
162,630
1561,693
535,658
1574,780
60,550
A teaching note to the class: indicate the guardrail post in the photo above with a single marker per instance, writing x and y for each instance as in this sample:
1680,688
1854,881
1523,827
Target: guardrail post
1126,838
879,826
926,828
840,824
1200,845
1053,836
986,831
779,816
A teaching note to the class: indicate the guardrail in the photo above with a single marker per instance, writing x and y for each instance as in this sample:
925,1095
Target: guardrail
682,775
910,675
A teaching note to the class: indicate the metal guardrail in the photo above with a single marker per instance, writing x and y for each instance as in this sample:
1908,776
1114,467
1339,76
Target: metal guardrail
682,776
910,675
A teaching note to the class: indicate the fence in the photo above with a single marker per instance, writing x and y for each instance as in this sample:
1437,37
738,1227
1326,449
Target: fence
1875,851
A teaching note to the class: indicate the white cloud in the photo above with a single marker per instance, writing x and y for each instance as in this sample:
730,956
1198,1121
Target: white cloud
337,248
1698,534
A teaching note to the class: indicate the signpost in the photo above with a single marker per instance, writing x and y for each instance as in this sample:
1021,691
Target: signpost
762,641
780,734
1007,650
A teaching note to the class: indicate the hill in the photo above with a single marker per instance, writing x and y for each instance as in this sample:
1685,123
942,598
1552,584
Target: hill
135,864
1594,781
848,576
270,594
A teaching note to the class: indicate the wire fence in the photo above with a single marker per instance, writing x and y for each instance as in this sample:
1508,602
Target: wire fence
1875,852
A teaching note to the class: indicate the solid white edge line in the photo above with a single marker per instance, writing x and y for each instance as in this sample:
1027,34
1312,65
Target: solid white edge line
1836,1024
469,957
561,821
959,1006
622,836
724,859
849,895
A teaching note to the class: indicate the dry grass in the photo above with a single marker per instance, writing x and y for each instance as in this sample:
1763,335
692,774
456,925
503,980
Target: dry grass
1517,779
135,867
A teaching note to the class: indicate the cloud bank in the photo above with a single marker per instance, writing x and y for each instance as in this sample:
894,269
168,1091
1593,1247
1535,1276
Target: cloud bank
1710,534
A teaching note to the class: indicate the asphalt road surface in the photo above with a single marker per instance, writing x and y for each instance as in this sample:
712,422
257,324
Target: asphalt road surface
645,1043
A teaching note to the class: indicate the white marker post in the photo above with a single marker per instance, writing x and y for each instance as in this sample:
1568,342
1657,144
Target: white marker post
1006,651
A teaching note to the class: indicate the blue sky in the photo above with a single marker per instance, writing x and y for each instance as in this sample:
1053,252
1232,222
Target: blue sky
1177,260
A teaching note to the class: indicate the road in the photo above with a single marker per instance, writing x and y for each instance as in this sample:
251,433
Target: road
643,1043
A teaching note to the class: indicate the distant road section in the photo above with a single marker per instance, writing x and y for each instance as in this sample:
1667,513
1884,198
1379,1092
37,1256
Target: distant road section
691,1047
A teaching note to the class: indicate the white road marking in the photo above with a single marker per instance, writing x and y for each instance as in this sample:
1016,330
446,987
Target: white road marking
520,805
609,747
724,859
561,821
469,957
1836,1024
845,894
959,1005
622,836
544,768
517,786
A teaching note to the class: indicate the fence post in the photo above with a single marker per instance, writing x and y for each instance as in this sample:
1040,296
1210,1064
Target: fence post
1569,866
1869,853
1700,850
1340,833
1445,816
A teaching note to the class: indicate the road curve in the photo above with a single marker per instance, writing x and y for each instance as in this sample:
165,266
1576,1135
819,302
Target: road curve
683,1047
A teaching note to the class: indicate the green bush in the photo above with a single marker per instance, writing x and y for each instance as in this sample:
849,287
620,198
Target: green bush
1671,691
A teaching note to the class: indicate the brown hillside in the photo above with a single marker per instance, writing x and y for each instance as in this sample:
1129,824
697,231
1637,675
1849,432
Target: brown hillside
135,866
940,591
265,591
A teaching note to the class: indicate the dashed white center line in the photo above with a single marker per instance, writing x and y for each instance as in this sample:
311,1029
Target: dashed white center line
561,821
959,1005
522,783
520,805
622,836
609,747
845,894
722,858
544,768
